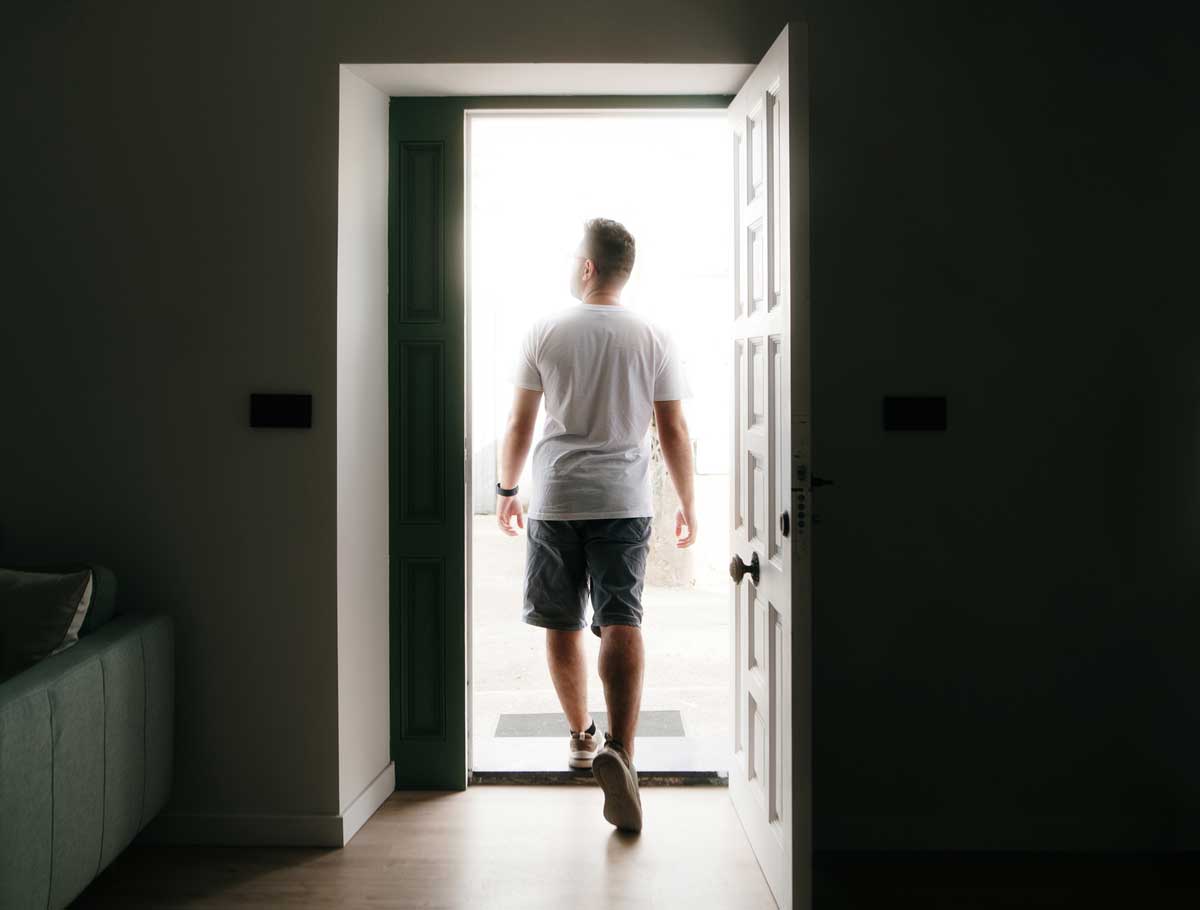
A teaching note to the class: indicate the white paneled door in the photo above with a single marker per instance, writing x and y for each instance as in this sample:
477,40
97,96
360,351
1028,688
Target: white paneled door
769,778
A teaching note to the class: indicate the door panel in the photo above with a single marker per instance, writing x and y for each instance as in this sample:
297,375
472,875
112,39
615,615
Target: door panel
770,613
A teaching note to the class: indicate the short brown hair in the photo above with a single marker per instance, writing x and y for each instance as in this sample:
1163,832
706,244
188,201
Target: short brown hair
610,247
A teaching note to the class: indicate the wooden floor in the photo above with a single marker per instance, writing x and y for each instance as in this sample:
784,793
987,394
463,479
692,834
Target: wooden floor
488,847
494,847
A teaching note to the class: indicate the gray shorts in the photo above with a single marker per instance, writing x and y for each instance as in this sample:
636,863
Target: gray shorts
563,559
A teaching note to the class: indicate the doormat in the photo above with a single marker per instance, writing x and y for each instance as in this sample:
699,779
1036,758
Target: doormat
650,723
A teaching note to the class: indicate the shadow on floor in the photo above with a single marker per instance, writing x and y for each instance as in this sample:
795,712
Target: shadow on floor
158,876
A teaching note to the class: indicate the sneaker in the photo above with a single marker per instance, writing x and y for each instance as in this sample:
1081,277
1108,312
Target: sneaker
617,776
584,747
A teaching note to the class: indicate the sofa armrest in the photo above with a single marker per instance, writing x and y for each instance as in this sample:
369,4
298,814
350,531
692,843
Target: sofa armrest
86,756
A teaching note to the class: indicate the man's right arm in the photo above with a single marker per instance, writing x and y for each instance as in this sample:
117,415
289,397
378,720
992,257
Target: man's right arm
677,451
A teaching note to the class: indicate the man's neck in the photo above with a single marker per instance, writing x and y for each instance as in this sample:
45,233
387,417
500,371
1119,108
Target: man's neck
602,298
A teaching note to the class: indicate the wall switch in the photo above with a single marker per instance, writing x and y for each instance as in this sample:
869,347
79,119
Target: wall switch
914,413
275,410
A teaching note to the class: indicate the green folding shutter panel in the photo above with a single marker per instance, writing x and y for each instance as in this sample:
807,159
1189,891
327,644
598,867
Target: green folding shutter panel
425,365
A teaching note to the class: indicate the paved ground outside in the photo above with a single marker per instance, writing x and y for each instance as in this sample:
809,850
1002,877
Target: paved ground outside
686,632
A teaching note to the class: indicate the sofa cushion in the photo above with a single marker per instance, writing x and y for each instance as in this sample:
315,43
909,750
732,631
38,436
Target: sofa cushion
36,609
26,758
104,590
86,750
77,714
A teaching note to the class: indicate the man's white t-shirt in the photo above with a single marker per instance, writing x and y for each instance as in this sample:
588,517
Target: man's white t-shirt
601,368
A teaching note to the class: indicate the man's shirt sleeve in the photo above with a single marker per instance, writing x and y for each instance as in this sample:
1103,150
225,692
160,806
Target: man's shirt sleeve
670,382
525,372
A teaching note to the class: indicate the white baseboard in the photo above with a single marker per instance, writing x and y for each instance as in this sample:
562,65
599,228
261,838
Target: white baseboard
355,815
205,829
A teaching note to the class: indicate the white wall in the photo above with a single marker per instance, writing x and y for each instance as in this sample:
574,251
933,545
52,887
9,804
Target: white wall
362,437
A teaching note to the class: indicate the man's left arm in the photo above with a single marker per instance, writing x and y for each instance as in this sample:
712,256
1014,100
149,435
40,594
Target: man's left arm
518,434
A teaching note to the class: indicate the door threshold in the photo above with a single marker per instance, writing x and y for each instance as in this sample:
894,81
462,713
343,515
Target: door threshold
582,777
660,760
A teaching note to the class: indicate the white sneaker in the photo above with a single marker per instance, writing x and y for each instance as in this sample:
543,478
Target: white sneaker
584,747
617,776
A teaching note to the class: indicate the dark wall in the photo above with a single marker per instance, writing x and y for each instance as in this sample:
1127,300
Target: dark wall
1006,614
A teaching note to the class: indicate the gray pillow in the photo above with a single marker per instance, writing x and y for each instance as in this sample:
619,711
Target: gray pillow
36,609
104,589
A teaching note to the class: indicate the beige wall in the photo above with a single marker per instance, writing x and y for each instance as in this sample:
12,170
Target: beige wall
1005,618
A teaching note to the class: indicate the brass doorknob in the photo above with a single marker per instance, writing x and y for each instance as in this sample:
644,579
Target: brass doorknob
737,568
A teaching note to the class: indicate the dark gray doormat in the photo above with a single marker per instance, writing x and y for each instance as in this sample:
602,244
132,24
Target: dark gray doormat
650,723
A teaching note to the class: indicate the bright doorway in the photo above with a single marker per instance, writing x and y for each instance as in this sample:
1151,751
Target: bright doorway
533,177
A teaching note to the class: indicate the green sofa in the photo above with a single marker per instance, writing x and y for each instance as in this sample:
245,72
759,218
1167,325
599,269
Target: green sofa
86,756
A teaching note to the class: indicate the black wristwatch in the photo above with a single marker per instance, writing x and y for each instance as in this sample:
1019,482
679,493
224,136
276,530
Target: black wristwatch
504,492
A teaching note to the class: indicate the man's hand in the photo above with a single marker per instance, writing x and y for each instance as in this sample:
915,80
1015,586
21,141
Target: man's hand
685,518
508,508
676,444
513,448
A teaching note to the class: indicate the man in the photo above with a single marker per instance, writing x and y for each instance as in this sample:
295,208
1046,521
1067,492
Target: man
604,372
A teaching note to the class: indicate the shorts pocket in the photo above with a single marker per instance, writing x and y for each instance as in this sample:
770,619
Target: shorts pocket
629,530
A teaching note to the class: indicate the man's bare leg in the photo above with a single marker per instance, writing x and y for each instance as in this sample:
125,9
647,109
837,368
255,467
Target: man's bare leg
622,660
568,669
